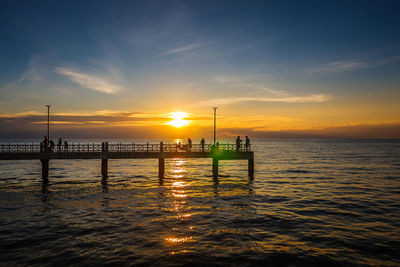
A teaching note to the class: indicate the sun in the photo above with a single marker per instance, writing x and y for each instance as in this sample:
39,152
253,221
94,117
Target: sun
178,119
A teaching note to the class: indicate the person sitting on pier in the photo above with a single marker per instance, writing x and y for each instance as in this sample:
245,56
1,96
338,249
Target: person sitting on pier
202,142
189,145
59,144
66,146
238,143
247,143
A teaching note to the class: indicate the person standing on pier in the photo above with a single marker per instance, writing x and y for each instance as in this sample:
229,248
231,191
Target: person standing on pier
45,143
238,143
178,146
189,145
202,142
52,145
59,144
247,143
66,146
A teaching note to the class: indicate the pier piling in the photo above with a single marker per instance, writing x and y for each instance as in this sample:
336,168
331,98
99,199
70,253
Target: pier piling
104,167
215,167
104,159
251,167
161,162
161,167
45,168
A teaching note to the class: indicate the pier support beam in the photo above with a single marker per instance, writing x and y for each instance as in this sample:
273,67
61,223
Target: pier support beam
104,167
251,167
215,167
45,168
161,163
161,167
104,160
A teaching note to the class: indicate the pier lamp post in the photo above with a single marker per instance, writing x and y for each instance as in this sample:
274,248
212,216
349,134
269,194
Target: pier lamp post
48,122
215,123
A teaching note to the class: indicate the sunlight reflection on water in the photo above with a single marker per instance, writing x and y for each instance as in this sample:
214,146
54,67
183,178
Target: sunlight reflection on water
325,202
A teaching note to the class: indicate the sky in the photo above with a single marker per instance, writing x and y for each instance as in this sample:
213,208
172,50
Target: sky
274,69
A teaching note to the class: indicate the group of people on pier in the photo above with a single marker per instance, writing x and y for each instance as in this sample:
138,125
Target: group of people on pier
239,143
188,147
48,146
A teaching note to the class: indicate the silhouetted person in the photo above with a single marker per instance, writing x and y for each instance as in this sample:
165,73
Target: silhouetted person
59,144
66,146
202,142
51,145
45,143
178,146
238,143
247,143
189,144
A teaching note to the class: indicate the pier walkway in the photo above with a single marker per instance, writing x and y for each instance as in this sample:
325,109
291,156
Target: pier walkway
106,151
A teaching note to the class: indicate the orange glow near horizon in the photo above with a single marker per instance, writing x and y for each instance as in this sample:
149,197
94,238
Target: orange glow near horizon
178,119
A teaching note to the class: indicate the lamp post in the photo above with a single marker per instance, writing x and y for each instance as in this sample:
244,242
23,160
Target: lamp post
48,122
215,123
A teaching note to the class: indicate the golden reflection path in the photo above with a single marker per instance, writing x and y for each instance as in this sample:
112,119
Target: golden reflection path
179,194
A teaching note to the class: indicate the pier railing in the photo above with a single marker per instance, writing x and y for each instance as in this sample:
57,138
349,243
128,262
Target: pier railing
119,147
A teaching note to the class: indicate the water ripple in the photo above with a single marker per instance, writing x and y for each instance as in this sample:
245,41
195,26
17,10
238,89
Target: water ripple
311,203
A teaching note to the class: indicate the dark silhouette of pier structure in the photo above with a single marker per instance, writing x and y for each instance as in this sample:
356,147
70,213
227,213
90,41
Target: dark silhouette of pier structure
106,151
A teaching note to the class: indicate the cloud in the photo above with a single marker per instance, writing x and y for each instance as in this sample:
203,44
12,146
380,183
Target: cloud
181,49
34,73
239,83
93,126
356,131
316,98
89,81
341,66
106,117
260,93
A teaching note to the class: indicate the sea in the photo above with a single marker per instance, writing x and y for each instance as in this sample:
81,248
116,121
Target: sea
310,203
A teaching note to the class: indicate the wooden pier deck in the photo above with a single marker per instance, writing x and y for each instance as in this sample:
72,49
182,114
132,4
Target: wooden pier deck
106,151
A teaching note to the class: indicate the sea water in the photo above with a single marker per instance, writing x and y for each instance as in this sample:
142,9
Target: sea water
310,203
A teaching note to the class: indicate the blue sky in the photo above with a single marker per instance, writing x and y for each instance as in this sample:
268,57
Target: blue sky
283,59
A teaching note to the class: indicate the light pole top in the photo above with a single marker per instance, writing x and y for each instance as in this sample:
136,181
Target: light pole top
48,106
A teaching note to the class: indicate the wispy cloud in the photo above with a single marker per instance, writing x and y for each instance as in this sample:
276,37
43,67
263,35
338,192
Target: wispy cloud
260,93
348,65
181,49
239,83
340,66
89,81
316,98
32,75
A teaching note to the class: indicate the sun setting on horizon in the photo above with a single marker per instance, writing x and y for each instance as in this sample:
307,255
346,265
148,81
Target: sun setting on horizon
178,119
189,132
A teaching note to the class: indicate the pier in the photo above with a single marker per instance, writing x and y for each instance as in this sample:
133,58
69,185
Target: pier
105,151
